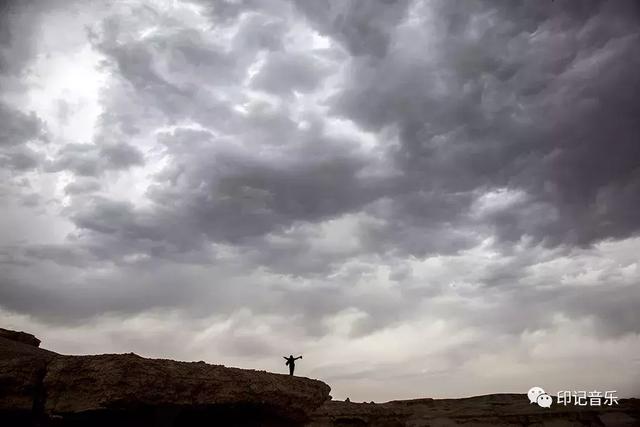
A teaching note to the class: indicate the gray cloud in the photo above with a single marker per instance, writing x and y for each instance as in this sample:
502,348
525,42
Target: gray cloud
16,48
364,27
18,127
259,31
82,185
385,185
286,73
91,160
21,158
537,116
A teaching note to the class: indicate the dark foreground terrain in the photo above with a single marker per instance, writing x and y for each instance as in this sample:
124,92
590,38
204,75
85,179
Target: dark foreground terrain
42,388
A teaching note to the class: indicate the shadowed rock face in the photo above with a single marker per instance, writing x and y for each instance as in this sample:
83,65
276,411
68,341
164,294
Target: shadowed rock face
38,387
176,390
22,337
22,369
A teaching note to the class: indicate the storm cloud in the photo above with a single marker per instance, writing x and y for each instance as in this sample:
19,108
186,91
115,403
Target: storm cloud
426,198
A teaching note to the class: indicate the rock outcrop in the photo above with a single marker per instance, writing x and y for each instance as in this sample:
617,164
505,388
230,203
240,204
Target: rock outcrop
38,387
491,410
42,388
22,337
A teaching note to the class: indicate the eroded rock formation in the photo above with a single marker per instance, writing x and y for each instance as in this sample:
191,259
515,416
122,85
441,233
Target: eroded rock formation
22,337
39,387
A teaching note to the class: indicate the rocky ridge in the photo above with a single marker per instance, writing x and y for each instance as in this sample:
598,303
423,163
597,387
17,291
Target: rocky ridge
43,388
502,410
39,387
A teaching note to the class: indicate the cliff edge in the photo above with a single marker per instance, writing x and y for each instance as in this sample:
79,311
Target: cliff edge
39,387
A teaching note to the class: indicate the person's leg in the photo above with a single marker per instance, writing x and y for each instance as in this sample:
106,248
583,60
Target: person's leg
291,369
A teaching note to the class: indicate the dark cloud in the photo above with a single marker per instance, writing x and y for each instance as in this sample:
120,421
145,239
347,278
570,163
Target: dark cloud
525,103
91,160
20,159
210,191
287,73
64,293
260,31
121,156
445,177
82,185
16,47
364,27
18,127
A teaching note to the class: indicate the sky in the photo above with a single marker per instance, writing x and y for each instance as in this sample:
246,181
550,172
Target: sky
423,198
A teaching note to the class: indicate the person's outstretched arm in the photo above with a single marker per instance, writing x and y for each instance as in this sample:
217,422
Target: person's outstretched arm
285,357
299,357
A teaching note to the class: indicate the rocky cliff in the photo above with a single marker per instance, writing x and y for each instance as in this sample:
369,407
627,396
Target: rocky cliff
42,388
38,387
22,337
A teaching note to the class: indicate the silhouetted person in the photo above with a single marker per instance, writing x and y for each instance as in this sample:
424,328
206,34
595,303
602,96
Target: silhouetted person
291,361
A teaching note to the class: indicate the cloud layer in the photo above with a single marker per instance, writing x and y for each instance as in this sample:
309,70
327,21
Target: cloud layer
423,197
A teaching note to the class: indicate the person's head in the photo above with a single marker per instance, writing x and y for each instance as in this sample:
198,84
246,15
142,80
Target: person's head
291,355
